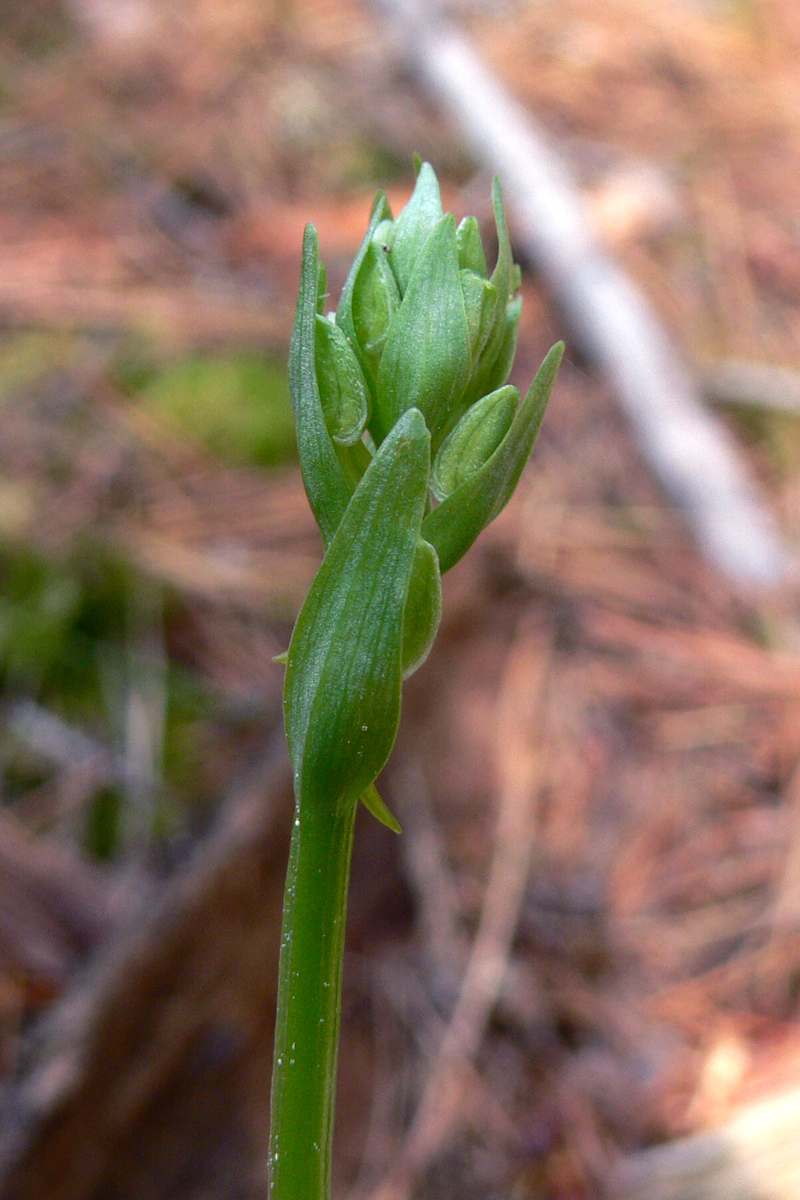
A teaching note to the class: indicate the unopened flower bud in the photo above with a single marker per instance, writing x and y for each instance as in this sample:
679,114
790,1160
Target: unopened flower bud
473,441
376,300
480,303
414,225
423,608
342,390
426,359
471,255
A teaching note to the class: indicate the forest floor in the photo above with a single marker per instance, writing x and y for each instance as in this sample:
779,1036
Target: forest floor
586,941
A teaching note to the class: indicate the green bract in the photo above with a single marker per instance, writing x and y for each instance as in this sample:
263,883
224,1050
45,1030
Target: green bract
410,443
344,669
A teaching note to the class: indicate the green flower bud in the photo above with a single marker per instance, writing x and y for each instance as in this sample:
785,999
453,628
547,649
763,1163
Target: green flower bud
471,255
426,359
453,526
480,302
342,390
423,610
326,486
501,368
376,300
473,441
497,357
344,313
415,224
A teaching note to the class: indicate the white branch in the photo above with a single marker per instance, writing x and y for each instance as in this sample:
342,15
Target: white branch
691,453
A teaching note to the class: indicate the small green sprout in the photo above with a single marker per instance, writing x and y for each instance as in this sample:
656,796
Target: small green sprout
410,444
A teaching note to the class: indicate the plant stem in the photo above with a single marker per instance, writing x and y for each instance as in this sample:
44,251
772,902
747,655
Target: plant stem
309,1002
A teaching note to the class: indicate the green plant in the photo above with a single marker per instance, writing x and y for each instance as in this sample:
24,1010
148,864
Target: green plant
398,396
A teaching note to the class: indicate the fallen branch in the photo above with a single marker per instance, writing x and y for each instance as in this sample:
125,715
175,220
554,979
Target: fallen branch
692,455
753,385
754,1157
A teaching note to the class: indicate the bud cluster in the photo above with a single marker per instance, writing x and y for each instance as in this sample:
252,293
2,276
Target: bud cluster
400,399
427,325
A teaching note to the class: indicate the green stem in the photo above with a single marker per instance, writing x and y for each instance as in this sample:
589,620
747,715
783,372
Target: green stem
309,1003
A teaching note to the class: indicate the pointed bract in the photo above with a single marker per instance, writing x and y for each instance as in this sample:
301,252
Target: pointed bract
344,671
414,224
373,803
325,484
471,254
426,359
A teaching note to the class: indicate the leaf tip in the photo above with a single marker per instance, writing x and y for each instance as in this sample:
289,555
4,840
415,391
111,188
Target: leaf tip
372,801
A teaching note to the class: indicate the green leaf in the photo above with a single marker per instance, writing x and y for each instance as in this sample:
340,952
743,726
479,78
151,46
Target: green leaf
473,441
326,486
414,224
423,610
426,359
342,389
471,254
373,803
322,289
343,676
453,526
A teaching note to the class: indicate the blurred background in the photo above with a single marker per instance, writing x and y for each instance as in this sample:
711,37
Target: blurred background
577,973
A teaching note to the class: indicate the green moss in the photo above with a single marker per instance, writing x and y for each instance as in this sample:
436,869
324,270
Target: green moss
29,356
101,835
67,642
237,405
38,607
